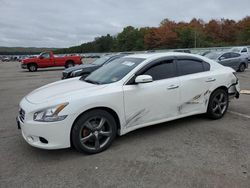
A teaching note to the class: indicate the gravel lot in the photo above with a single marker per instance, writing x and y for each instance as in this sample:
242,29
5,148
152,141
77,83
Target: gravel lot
190,152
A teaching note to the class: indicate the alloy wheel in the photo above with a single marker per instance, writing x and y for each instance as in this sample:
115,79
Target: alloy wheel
95,133
219,105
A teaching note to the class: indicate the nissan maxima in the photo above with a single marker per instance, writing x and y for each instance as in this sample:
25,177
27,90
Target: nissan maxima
127,94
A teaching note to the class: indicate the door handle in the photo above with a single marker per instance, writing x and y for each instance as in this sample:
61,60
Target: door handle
173,86
210,80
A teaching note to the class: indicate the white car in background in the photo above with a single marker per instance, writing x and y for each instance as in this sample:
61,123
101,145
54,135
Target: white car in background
129,93
244,51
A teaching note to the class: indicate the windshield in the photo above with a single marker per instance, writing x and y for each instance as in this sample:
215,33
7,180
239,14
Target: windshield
101,60
114,71
212,55
236,49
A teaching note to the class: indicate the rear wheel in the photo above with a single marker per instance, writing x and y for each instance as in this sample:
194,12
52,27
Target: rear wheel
32,67
242,67
69,64
94,131
218,104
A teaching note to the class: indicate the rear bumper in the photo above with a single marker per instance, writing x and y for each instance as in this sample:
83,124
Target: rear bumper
234,90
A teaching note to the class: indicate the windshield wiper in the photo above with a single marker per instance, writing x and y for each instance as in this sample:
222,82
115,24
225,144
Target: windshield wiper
92,82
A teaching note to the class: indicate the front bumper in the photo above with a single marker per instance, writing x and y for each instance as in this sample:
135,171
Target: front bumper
54,135
45,135
65,75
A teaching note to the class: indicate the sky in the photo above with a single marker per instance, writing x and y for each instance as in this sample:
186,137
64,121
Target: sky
64,23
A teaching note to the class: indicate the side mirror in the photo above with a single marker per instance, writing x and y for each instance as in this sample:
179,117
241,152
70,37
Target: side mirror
143,79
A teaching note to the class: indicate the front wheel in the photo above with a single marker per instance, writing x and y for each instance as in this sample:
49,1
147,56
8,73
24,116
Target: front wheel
242,67
218,104
32,67
94,131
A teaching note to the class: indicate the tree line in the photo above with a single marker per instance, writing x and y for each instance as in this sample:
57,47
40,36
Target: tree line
169,35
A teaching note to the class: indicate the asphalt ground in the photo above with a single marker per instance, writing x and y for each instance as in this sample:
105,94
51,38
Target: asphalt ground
190,152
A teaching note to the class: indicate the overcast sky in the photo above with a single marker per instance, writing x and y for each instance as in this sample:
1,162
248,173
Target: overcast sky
64,23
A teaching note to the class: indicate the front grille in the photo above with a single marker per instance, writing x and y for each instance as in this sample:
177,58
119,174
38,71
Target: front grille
21,114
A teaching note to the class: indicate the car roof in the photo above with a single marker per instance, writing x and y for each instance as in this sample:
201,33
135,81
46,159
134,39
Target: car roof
162,54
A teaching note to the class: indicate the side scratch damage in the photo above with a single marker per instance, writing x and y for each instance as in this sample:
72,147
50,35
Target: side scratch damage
135,117
196,100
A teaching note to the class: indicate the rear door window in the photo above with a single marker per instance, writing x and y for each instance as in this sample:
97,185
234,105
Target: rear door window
244,50
233,55
189,66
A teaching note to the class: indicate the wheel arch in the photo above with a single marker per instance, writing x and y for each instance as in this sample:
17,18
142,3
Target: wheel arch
220,87
32,63
70,61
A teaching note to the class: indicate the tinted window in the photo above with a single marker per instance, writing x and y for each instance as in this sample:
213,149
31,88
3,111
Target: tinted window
206,66
226,55
162,70
235,55
187,66
244,50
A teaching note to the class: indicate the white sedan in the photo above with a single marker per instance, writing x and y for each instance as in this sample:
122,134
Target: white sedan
129,93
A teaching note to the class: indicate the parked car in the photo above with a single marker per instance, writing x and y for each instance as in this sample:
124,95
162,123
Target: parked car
230,59
244,51
6,59
85,69
205,52
47,59
128,93
183,50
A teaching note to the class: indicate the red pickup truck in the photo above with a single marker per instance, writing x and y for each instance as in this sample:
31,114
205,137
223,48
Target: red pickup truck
47,59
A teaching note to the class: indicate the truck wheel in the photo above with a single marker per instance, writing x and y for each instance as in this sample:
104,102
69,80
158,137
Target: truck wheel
69,64
32,67
241,67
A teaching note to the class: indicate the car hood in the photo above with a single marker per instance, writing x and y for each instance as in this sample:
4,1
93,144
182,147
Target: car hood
61,89
71,69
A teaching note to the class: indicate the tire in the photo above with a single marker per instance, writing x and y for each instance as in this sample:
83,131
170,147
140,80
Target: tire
218,104
242,67
32,67
94,132
69,64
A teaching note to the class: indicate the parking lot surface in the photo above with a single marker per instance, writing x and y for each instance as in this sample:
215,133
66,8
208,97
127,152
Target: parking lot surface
190,152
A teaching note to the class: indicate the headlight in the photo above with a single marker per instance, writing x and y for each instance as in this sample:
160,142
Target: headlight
50,114
75,73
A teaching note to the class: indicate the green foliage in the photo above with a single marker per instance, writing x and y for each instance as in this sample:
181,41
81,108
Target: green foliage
169,34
